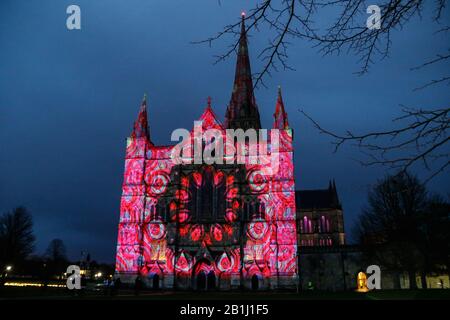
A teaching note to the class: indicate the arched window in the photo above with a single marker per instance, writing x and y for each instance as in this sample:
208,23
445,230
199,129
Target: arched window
206,196
262,211
207,201
193,201
322,225
306,224
220,199
158,211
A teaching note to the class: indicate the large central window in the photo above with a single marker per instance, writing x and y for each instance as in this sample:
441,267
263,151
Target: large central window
207,196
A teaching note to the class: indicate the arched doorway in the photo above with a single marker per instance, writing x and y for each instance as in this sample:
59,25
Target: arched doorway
361,282
201,281
155,282
255,282
211,281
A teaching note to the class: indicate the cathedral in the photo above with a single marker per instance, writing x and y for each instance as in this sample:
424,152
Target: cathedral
226,225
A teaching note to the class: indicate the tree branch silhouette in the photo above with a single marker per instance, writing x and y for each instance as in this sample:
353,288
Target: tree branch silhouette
423,133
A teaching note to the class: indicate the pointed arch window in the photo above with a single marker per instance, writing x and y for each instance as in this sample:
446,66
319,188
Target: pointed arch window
207,200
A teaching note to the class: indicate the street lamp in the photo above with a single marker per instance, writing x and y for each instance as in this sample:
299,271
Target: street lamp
8,268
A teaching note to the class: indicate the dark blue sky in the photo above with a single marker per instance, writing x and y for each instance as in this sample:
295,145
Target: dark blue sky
68,100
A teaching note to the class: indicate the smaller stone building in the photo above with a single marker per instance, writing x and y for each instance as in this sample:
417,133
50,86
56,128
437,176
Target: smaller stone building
326,262
320,219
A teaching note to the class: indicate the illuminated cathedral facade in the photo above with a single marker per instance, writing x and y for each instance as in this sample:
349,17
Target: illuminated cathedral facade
217,226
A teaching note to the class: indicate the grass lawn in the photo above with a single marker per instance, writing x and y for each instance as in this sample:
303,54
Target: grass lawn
52,293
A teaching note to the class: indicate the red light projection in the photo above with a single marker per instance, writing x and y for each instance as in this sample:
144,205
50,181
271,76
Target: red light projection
223,223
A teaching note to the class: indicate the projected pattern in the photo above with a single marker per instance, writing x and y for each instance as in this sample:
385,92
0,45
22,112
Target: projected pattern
166,230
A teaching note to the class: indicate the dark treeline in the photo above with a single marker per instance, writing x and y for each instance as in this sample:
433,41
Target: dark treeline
17,245
404,228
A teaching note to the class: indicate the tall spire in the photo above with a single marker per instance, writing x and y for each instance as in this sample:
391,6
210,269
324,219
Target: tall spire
280,116
242,111
140,129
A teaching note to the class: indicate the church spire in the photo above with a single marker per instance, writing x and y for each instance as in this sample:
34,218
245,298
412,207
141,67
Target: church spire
242,111
140,129
280,116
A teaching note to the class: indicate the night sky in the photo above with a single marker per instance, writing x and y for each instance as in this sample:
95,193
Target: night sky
68,100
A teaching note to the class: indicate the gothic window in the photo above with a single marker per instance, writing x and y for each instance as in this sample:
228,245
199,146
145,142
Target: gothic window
166,217
207,201
262,211
206,195
324,224
246,211
307,225
152,212
193,198
253,210
160,211
220,199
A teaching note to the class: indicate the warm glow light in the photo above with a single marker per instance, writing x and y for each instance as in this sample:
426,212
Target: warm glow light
361,282
8,268
32,284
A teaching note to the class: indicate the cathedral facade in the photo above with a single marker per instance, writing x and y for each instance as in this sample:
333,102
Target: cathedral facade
225,225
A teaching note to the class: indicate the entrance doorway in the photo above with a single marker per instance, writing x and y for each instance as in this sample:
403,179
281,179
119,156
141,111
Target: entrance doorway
211,281
155,282
255,282
201,281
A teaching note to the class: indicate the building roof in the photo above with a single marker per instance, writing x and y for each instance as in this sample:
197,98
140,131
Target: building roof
318,199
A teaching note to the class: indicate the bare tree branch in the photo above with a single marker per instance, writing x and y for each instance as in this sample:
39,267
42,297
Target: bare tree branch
422,137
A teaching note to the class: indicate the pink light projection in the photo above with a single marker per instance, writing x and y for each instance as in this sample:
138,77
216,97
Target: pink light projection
228,222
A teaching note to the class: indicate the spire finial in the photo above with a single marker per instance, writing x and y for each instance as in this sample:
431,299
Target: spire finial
242,111
140,128
281,121
209,101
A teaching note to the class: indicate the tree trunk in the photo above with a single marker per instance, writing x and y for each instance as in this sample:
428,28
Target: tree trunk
423,279
397,284
412,280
